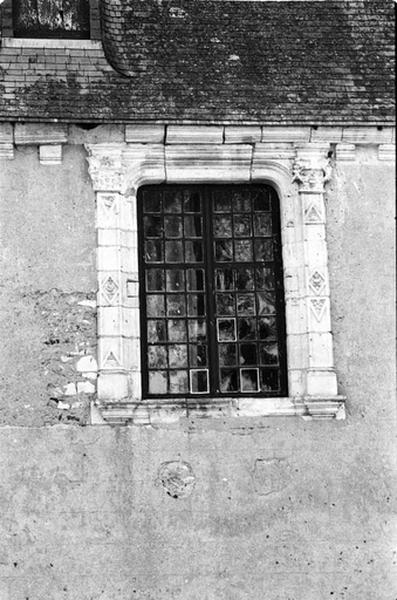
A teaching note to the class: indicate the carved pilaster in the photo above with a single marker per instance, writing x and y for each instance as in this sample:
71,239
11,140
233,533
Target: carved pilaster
312,169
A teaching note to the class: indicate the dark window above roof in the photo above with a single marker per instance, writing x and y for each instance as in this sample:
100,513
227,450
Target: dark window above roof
51,18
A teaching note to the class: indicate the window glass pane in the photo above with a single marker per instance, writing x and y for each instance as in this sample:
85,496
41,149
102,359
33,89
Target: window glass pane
196,305
177,330
157,357
173,251
242,225
194,251
153,226
223,226
152,201
155,280
199,381
173,202
158,382
195,280
243,250
249,380
248,354
156,331
223,250
177,355
227,354
246,304
173,227
229,380
178,382
226,330
176,305
198,355
154,251
193,226
155,305
225,304
192,202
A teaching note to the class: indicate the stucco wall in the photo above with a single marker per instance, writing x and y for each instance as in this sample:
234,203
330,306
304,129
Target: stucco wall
265,509
48,286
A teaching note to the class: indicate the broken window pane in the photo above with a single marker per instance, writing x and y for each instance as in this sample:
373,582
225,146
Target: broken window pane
246,304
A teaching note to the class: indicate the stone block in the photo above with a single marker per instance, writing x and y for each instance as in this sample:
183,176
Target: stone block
144,134
285,134
194,134
50,154
326,134
387,152
320,350
321,383
6,133
6,151
200,163
112,386
367,135
40,133
242,135
345,152
109,320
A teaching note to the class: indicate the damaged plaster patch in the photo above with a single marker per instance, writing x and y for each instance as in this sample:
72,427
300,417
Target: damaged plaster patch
177,478
270,475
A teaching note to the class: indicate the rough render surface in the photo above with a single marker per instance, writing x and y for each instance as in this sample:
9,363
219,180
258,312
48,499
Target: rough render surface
256,509
47,305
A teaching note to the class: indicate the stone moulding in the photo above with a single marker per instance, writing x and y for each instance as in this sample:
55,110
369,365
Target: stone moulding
299,172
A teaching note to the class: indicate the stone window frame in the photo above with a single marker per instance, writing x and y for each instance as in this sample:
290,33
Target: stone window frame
192,155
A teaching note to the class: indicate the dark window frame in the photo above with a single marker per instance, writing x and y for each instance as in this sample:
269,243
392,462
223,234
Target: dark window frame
8,28
209,265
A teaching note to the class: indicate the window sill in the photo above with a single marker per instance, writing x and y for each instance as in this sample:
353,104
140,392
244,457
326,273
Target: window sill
80,44
151,412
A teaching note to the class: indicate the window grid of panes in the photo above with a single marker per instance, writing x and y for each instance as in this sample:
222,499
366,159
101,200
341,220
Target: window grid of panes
211,293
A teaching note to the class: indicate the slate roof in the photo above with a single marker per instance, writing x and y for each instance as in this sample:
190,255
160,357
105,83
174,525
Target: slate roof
326,61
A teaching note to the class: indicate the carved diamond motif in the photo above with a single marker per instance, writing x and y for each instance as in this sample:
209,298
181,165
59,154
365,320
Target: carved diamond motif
317,306
317,282
109,289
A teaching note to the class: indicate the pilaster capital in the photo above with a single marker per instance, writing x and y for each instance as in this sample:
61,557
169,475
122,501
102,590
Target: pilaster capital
312,167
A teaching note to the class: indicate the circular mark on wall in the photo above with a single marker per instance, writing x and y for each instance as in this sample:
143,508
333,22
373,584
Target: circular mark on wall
177,478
